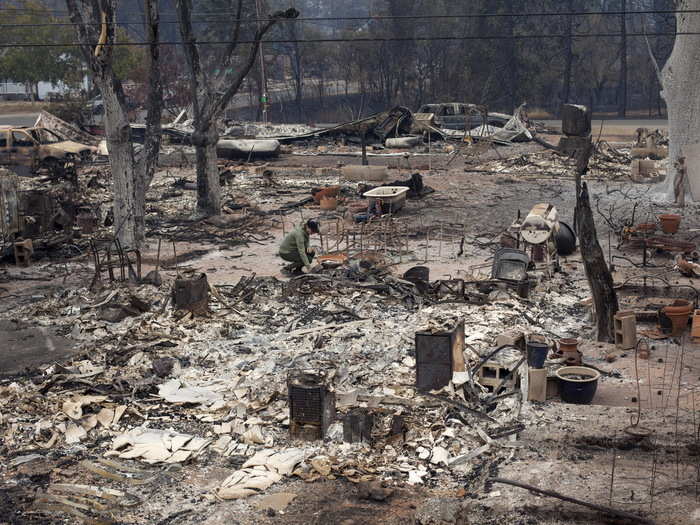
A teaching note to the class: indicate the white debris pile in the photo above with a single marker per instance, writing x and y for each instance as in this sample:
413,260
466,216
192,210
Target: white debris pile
175,392
604,163
224,391
158,446
260,472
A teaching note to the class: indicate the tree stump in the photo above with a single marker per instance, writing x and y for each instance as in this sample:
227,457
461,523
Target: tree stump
192,294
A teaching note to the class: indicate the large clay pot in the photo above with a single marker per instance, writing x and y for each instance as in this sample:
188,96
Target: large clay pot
679,313
329,203
670,222
577,384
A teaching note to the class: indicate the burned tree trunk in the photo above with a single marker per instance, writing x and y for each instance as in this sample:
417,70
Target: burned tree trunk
154,102
128,207
128,216
96,29
598,274
208,185
210,96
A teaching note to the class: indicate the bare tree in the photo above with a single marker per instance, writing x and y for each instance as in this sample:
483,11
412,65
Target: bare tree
211,93
96,27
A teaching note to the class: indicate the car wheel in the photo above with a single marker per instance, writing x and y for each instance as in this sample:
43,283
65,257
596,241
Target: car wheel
52,164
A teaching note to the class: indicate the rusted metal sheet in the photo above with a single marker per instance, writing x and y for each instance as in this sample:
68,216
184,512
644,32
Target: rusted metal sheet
397,121
52,122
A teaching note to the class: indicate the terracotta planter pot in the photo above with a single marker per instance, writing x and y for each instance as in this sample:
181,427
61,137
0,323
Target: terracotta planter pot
568,346
679,313
330,191
329,203
670,222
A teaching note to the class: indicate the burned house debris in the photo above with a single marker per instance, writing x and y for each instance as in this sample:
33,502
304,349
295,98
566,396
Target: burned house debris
441,349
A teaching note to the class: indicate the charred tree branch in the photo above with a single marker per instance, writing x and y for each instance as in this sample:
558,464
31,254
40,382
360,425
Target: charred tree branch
600,508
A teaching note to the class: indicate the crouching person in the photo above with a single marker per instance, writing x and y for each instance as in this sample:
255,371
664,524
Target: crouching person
295,247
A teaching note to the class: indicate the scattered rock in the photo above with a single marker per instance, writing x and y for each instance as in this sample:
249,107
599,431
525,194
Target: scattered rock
443,511
163,367
373,490
322,465
275,502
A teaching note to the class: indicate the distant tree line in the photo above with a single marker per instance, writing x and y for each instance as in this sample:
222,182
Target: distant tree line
610,74
335,81
44,54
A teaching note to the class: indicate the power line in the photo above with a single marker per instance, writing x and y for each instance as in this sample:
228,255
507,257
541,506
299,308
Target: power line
366,18
371,39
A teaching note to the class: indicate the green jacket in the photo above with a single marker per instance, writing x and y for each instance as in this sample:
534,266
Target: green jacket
296,242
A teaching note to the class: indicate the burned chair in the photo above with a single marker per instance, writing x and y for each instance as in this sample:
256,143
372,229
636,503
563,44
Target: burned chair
108,255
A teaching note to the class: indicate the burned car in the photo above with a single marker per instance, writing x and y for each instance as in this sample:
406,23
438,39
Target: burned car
459,116
35,148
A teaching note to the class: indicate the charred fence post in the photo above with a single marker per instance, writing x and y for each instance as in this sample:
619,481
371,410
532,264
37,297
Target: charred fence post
598,274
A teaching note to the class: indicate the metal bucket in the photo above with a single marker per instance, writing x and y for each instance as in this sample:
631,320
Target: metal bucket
536,354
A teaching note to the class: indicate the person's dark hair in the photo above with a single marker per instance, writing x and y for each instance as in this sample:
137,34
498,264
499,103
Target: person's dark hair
312,225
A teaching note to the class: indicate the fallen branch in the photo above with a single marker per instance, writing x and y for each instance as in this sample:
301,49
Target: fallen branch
305,331
544,143
461,406
594,506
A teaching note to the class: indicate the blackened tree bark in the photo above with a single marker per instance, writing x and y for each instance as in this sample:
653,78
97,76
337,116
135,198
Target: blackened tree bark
154,100
210,96
95,21
598,274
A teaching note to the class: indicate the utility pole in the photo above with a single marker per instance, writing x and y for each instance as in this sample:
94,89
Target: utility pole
622,86
264,101
568,54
